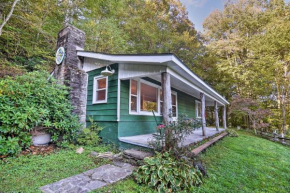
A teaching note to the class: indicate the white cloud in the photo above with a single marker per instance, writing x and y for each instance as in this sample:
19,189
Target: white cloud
195,3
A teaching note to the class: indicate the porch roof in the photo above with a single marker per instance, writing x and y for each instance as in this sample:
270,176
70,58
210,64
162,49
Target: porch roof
175,67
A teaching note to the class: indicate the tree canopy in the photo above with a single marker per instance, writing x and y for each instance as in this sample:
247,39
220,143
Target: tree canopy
243,51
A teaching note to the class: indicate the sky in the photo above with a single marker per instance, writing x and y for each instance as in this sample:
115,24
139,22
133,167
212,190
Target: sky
198,10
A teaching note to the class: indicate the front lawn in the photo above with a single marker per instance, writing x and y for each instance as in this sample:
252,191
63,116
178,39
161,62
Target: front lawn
237,164
28,173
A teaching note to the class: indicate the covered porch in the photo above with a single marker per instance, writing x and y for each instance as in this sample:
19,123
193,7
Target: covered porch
171,78
196,136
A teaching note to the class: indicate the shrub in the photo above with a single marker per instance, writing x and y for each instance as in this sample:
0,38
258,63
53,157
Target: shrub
168,174
90,136
232,133
169,136
34,100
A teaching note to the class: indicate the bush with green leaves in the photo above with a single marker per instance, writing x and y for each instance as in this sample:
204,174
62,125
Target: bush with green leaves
34,100
90,135
232,133
167,174
170,136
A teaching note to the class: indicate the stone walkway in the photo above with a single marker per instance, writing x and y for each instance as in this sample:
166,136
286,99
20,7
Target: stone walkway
91,180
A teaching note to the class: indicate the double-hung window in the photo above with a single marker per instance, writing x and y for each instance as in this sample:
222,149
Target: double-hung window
100,90
173,103
134,96
198,109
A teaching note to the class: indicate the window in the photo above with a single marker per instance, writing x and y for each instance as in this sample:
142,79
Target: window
198,108
146,96
100,89
174,107
134,96
173,103
149,98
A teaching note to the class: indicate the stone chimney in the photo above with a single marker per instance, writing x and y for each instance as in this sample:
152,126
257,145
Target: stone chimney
70,72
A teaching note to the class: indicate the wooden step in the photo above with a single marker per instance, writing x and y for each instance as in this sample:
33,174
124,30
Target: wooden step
202,147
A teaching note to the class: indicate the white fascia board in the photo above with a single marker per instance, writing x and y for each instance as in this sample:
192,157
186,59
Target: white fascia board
127,58
181,65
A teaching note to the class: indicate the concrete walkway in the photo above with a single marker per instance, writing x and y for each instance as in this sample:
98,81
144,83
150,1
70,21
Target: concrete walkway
91,180
143,140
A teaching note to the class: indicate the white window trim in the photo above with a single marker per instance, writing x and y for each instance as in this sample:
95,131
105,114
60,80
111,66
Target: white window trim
94,90
139,112
196,109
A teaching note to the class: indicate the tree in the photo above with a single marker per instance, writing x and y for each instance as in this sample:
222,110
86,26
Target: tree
5,20
250,40
250,108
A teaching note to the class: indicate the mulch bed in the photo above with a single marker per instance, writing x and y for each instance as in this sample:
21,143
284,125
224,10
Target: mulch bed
40,150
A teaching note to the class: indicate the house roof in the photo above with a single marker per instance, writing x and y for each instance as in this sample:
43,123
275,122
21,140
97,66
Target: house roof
167,59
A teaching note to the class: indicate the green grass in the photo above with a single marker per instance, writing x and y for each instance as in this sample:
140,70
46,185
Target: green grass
28,173
236,164
247,164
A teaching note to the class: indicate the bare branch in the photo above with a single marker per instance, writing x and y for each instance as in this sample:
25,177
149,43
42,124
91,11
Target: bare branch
8,16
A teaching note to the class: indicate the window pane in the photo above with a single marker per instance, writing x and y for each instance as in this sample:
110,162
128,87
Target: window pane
161,95
101,95
133,104
134,87
161,106
173,111
102,83
173,99
149,98
198,109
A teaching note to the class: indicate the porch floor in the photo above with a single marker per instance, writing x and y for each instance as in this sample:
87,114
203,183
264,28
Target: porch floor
143,140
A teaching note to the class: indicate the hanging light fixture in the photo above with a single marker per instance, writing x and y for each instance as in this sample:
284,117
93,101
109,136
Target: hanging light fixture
108,72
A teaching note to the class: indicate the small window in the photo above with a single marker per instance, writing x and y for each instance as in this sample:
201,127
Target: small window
198,108
174,108
134,96
100,89
173,103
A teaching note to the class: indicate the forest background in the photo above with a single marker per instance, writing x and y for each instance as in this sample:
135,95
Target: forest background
243,52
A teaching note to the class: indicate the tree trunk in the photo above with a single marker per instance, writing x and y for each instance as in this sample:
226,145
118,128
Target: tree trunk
254,126
8,16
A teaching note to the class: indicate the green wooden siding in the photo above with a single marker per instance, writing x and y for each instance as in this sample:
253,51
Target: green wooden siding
105,114
186,104
130,125
104,111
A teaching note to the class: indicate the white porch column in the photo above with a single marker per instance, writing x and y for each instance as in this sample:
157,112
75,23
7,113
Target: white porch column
225,117
202,99
216,113
166,93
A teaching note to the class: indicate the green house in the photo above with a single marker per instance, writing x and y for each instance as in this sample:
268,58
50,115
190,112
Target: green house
123,91
130,94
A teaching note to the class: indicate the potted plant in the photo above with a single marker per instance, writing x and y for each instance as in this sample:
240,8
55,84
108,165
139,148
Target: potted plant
40,136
